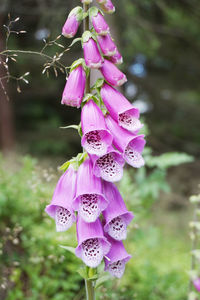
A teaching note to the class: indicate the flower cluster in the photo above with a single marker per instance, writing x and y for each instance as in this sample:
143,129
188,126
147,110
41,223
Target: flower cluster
109,136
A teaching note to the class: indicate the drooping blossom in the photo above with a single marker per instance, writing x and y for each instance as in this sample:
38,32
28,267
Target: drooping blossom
112,74
92,244
92,56
71,25
107,45
61,205
116,215
108,7
89,200
129,144
196,284
96,137
116,258
99,24
108,166
117,58
121,110
74,88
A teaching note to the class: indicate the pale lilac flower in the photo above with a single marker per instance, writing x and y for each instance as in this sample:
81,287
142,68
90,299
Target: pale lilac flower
70,27
108,166
108,7
96,137
107,45
74,88
117,58
116,215
61,205
196,284
112,74
89,200
129,144
92,244
99,24
116,258
120,108
92,55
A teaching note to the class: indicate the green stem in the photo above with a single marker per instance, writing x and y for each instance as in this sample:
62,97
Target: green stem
89,286
86,27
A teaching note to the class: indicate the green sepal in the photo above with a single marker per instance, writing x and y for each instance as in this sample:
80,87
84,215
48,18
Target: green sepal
68,248
65,166
78,11
75,162
77,63
75,41
82,272
71,126
93,11
98,84
86,36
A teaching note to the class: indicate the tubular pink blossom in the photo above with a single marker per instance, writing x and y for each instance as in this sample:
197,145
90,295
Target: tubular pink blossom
116,215
108,166
92,55
92,244
117,258
196,284
129,144
61,205
117,58
108,7
70,27
107,45
112,74
74,88
89,200
121,110
96,138
99,24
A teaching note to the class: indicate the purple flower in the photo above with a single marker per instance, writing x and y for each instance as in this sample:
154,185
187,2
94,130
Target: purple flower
70,27
92,55
96,138
108,7
74,88
89,200
120,108
196,284
112,74
107,45
92,244
117,58
116,215
117,258
99,24
108,166
129,144
61,205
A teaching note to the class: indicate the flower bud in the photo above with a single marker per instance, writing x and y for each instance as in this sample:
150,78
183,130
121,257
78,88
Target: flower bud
99,24
112,74
70,27
74,88
61,205
108,7
92,55
92,244
117,58
107,45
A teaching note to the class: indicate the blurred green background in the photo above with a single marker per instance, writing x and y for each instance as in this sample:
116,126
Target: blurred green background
159,40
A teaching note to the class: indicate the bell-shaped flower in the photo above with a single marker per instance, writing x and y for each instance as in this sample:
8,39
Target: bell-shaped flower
108,7
89,200
92,244
96,137
121,110
70,27
108,166
92,56
129,144
60,208
107,45
116,215
117,58
99,24
196,284
116,258
74,88
112,74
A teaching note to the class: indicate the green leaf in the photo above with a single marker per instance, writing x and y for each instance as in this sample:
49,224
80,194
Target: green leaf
86,36
101,280
68,248
83,272
75,41
77,63
71,126
65,166
93,11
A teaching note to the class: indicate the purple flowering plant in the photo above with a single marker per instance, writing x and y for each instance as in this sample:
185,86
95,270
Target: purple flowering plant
109,130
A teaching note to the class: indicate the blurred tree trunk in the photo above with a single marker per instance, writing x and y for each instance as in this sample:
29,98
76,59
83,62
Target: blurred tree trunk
7,140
